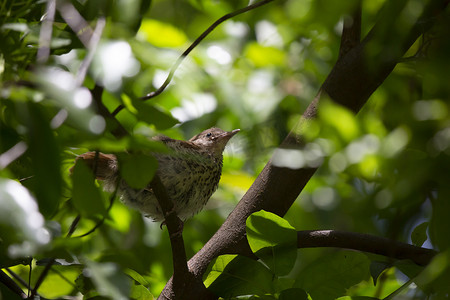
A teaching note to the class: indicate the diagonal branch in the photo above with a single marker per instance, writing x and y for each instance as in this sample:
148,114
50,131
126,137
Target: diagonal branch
12,285
351,31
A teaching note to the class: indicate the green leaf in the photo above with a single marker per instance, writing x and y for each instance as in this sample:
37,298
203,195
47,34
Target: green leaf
108,280
137,169
161,34
273,240
340,118
419,234
436,275
376,268
408,267
59,283
44,153
154,115
356,298
86,196
293,294
330,276
440,221
140,292
233,275
137,277
262,56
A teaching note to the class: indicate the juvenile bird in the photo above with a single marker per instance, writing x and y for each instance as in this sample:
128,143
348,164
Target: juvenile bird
190,172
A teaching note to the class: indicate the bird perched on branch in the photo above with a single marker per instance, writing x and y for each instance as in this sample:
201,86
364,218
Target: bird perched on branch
190,172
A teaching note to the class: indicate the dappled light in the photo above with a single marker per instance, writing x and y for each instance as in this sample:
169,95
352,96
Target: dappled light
19,212
114,60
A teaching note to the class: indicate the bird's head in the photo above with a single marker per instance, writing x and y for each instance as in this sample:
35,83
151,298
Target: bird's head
213,139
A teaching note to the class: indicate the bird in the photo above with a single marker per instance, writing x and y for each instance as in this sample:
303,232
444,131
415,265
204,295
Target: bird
190,173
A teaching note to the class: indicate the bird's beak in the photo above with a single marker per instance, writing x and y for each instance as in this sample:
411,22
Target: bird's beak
233,132
228,134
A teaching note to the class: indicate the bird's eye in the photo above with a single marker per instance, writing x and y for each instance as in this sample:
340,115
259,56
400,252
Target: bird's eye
209,134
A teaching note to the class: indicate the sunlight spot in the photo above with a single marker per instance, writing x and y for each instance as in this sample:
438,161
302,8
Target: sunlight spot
383,199
114,60
267,34
19,212
358,149
338,162
82,98
159,78
236,29
429,110
200,104
313,154
395,142
441,139
288,158
61,79
219,54
324,198
97,124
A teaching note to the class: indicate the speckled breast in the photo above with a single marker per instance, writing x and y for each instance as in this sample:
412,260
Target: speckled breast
189,179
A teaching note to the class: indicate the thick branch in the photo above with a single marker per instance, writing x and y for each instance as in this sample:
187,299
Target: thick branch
182,279
174,226
364,242
351,31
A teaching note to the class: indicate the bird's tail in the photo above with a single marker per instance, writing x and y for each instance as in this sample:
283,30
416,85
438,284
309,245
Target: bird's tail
103,165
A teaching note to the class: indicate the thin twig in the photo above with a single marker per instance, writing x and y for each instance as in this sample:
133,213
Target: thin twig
73,226
12,285
100,223
75,21
42,277
45,36
192,46
18,278
12,154
92,46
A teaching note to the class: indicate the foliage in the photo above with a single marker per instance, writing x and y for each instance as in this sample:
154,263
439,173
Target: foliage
383,171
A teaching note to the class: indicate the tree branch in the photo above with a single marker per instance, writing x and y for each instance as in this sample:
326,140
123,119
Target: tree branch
182,278
12,285
118,130
351,31
364,242
92,47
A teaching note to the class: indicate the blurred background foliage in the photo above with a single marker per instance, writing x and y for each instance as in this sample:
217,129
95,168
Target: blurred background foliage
384,171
